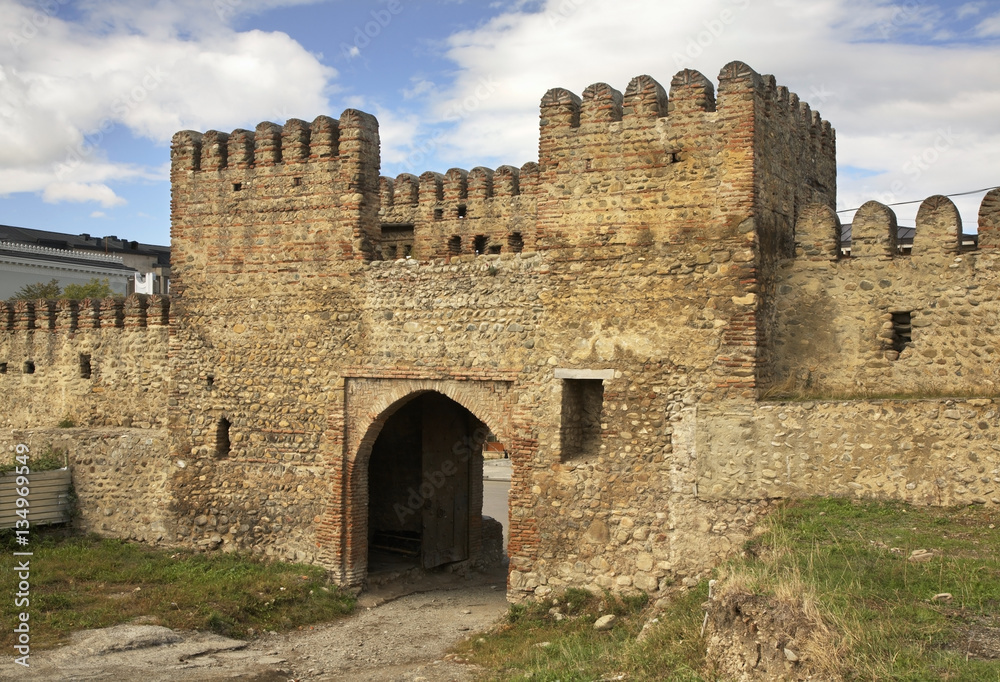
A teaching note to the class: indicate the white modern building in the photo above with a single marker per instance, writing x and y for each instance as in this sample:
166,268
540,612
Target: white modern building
38,256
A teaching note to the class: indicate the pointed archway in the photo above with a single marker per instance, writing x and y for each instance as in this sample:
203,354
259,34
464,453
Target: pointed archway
424,485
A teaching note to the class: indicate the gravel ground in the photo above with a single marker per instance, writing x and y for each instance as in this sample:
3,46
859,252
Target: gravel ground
398,632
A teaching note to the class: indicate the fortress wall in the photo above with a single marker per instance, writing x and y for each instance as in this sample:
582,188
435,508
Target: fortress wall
653,318
264,369
96,363
281,375
835,334
676,260
119,478
265,226
940,452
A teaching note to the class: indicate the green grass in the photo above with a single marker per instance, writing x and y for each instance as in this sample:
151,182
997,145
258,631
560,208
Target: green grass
577,652
851,560
49,459
82,582
842,563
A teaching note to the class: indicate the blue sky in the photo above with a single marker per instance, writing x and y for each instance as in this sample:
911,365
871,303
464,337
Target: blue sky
92,90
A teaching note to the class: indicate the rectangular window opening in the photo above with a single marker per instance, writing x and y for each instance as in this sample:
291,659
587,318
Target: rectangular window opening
516,242
901,331
438,214
580,424
209,381
455,246
479,244
296,182
494,249
85,370
29,367
3,367
463,211
237,186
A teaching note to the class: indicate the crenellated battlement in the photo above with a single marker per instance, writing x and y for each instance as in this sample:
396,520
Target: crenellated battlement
876,308
875,233
133,312
641,166
645,101
318,181
270,144
435,190
673,165
460,211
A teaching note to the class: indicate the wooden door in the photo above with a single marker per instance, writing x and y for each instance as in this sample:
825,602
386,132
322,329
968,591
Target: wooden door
446,511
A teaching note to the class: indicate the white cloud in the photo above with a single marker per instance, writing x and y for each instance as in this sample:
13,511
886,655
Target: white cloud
989,27
970,9
421,87
151,68
887,98
98,214
81,192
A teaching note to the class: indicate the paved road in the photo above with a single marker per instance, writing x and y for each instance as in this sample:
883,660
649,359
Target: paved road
495,503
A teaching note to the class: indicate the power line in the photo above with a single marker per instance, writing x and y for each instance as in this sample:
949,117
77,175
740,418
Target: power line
920,201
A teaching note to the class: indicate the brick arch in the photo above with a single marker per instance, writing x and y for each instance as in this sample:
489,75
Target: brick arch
369,404
488,401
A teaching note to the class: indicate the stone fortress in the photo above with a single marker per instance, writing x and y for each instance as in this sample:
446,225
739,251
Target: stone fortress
658,320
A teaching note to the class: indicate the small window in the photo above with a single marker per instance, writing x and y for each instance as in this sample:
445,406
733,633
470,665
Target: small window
209,381
580,426
968,242
455,246
901,331
438,214
222,445
515,242
462,211
296,182
480,244
84,366
3,367
407,250
494,248
237,186
29,367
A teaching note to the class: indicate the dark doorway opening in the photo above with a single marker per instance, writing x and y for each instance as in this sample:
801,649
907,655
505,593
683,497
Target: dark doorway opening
425,486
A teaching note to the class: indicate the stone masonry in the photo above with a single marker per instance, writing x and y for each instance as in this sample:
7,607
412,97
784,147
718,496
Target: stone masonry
656,319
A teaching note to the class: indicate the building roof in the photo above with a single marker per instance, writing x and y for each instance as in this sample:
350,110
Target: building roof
110,245
904,235
63,257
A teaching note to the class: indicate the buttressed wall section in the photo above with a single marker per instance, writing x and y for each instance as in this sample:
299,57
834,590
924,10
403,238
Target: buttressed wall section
614,313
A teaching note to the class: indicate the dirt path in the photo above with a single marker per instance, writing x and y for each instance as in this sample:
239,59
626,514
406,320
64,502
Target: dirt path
398,633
